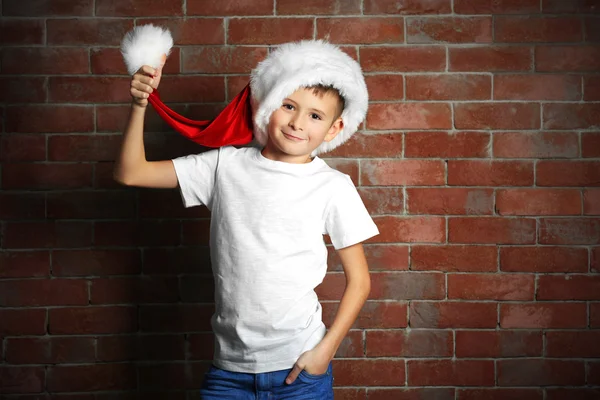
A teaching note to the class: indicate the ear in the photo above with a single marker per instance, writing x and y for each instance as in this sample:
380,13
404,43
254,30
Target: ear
335,128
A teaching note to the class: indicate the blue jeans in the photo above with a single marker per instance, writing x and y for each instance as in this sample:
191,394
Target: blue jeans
226,385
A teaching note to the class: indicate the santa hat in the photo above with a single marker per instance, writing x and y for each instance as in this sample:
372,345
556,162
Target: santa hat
286,69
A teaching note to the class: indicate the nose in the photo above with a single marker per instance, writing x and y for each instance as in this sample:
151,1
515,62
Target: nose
295,122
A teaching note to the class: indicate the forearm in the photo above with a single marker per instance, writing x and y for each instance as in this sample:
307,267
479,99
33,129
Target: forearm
132,153
353,299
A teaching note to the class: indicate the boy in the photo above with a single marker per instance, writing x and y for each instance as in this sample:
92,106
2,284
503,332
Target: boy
271,203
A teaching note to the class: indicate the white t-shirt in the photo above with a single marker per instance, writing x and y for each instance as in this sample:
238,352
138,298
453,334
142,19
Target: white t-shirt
267,249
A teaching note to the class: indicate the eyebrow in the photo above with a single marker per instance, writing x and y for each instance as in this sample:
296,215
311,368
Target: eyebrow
323,113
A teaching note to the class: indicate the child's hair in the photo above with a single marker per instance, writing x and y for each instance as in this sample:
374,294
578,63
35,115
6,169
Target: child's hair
321,89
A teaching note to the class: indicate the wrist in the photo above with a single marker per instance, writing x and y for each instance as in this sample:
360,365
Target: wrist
138,106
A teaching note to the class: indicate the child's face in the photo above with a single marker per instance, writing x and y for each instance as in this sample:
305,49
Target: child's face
301,124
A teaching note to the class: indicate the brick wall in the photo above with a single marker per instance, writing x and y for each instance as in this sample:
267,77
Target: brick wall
479,160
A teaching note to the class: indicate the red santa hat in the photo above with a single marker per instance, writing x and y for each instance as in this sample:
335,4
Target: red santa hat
286,69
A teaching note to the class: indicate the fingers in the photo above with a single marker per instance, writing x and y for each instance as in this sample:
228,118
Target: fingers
293,374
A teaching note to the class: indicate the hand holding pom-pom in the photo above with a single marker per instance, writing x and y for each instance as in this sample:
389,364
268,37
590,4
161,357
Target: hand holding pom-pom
144,81
146,45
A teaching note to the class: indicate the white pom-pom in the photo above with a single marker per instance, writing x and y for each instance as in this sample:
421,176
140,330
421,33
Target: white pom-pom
145,45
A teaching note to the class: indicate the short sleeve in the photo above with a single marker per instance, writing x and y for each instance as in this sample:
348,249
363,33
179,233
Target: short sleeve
348,222
196,175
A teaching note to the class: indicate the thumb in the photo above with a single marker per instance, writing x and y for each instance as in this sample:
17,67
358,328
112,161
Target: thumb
293,374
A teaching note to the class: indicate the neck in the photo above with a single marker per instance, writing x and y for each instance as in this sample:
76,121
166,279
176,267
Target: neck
269,153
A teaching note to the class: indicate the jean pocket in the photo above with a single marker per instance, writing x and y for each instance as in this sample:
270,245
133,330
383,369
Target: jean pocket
313,377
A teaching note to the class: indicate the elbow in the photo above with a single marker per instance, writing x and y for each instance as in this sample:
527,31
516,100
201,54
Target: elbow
120,178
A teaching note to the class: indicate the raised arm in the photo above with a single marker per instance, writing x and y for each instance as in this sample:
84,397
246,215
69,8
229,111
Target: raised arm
131,167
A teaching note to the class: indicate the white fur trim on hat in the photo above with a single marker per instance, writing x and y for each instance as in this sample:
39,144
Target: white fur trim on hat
302,64
145,45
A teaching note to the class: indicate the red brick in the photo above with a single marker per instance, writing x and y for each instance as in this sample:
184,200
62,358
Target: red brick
134,290
18,322
536,144
491,286
370,145
201,346
50,350
352,346
318,7
413,343
593,375
591,87
409,116
381,257
43,292
446,144
96,262
449,87
567,58
408,394
191,31
454,258
137,233
451,314
23,380
537,87
15,206
500,394
406,7
567,173
22,147
591,202
76,378
143,347
47,8
22,90
349,167
46,176
235,84
403,59
92,320
402,172
490,58
497,116
88,90
543,315
47,234
498,344
490,173
450,373
572,393
571,115
535,28
416,229
21,31
196,232
382,200
385,87
269,30
574,6
407,286
538,372
229,7
114,119
49,119
568,287
369,372
373,315
496,7
584,344
538,202
569,231
176,318
24,264
138,8
167,204
591,28
594,315
449,30
367,30
83,147
222,60
543,259
45,60
88,204
110,61
449,201
491,230
192,89
98,32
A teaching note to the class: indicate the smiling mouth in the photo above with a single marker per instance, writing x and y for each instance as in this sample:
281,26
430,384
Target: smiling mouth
291,137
